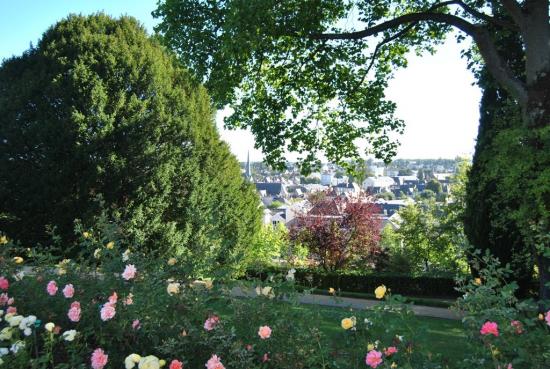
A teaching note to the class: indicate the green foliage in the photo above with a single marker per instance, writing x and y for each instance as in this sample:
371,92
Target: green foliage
310,180
276,204
428,195
269,244
385,195
98,107
435,186
429,238
359,171
495,187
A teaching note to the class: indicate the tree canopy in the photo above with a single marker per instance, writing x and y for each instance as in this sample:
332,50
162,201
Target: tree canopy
99,108
309,76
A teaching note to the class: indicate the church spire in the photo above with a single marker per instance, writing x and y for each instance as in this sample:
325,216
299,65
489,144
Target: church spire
248,169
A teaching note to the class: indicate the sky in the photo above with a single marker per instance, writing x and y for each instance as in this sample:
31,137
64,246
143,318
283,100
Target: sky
434,94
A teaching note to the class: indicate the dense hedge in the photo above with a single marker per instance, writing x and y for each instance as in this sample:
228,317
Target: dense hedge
427,286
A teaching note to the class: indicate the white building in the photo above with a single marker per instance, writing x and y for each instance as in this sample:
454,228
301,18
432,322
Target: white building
378,184
326,179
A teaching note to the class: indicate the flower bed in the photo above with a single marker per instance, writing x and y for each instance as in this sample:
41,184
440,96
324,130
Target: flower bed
143,313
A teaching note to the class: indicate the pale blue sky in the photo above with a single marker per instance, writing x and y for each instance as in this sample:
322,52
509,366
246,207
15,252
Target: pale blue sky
434,94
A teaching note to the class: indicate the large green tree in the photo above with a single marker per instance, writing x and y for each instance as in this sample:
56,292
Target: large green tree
98,107
490,211
309,75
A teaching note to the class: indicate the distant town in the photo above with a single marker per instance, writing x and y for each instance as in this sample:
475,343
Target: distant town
285,194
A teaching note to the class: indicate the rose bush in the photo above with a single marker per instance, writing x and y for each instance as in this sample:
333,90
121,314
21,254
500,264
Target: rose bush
125,309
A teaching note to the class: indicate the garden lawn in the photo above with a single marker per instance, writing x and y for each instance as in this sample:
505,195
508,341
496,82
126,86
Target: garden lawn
442,336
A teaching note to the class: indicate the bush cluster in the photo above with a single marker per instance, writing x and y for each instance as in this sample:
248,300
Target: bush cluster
405,284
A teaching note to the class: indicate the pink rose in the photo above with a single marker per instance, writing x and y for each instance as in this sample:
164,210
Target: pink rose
99,359
176,364
74,312
4,283
374,358
390,351
68,291
214,363
4,298
265,358
264,332
547,317
51,288
11,300
107,312
113,298
211,322
11,310
129,272
489,328
518,327
136,324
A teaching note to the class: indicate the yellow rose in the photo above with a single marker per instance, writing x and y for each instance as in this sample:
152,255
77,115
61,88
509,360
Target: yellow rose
162,363
347,323
393,365
173,288
3,240
172,261
110,245
380,291
86,235
265,291
331,291
477,281
370,347
541,317
97,253
18,259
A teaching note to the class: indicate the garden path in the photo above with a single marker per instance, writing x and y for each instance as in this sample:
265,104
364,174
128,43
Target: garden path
356,303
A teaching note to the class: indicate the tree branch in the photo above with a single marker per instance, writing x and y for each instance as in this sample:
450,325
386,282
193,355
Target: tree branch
495,21
449,19
377,49
497,66
515,11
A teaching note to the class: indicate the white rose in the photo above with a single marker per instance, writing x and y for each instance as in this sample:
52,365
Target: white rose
49,326
69,335
131,361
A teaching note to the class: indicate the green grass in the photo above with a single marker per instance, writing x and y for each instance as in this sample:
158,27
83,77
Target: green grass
442,336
